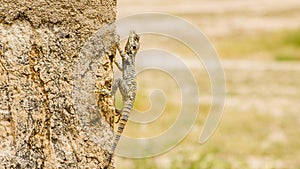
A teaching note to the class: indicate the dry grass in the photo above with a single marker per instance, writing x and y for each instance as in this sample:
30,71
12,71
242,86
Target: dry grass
260,126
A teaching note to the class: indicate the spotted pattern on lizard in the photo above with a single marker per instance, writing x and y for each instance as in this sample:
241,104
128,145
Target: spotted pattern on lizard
126,85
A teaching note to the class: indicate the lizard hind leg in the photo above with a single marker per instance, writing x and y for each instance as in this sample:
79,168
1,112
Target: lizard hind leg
116,85
119,84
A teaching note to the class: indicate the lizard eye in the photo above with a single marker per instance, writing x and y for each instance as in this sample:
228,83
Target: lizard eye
134,47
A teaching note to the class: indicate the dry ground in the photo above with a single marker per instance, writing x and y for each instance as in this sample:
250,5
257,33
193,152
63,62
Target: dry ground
260,126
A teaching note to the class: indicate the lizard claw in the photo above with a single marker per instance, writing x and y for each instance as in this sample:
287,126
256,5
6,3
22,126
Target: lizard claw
118,114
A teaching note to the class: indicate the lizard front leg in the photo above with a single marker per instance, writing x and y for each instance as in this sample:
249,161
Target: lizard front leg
122,54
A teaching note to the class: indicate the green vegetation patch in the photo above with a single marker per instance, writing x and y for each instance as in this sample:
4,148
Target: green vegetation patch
293,38
280,46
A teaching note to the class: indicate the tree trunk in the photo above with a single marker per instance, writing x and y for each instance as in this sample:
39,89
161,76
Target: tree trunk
40,44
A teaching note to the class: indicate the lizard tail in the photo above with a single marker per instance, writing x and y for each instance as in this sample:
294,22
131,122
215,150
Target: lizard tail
123,120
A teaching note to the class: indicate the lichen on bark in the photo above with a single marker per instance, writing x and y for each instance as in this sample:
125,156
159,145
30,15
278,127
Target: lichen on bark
40,44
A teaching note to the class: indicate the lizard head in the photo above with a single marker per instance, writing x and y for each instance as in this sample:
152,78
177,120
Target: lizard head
133,43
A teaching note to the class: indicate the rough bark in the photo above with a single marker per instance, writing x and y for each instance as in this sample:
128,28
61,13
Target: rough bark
40,43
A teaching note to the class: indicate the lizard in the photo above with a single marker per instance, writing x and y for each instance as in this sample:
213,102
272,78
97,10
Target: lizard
127,86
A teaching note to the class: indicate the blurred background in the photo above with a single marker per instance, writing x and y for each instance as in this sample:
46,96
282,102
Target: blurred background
258,42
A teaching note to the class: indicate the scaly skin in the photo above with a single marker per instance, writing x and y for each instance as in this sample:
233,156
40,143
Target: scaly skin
126,85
